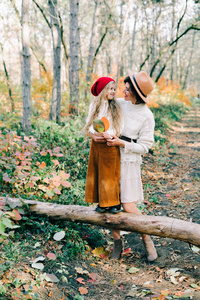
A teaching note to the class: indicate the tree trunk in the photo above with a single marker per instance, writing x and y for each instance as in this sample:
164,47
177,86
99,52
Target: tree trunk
74,57
26,68
133,42
56,38
91,48
189,62
8,81
122,40
153,225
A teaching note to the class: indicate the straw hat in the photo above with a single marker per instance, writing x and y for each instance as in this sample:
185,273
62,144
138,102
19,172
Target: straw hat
142,83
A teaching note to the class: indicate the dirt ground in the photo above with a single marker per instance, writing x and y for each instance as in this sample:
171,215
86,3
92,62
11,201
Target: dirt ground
171,184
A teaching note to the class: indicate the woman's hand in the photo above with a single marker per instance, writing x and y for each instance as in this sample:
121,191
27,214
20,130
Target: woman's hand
97,137
115,141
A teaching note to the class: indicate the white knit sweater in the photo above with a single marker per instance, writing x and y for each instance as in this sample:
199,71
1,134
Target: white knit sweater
138,124
104,112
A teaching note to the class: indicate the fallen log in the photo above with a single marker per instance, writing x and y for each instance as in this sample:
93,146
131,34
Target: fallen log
153,225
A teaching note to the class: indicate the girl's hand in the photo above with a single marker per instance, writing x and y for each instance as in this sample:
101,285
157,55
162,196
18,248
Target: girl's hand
97,137
107,136
115,141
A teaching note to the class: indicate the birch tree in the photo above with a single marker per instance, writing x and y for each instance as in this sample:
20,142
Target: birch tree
92,45
7,80
26,67
56,40
74,57
122,39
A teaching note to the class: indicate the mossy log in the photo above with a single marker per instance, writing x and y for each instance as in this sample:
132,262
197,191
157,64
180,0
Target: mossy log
154,225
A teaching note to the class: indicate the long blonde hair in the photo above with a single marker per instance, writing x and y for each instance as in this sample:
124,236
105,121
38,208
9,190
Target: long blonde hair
113,107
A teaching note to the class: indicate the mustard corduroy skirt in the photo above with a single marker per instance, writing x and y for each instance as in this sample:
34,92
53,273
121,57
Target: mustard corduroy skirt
102,183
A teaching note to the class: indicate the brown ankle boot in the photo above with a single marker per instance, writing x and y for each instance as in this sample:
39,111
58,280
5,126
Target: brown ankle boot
117,250
150,248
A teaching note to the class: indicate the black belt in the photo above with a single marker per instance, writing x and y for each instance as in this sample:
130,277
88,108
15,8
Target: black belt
127,139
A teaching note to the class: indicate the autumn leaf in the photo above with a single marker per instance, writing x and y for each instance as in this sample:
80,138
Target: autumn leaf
38,266
16,215
64,175
57,149
94,276
80,280
42,165
80,270
43,153
99,251
51,278
83,291
106,123
6,178
59,235
51,256
66,184
133,270
50,193
57,191
195,286
55,161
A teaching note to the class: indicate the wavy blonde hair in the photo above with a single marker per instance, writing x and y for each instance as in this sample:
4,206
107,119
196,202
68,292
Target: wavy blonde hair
113,107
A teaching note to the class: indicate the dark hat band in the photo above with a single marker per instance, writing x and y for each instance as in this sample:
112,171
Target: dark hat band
139,87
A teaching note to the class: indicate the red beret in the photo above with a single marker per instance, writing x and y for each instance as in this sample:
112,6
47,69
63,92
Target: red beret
100,84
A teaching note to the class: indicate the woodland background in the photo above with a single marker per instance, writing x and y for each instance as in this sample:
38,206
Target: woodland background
51,53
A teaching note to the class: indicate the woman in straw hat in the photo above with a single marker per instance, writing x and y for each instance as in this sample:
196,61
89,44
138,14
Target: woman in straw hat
136,139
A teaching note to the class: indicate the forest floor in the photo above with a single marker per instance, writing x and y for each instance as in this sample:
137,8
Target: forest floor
171,180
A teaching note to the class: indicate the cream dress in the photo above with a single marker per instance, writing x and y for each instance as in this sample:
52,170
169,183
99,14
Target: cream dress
138,124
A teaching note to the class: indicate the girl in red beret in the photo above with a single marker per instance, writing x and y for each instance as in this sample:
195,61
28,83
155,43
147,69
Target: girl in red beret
102,183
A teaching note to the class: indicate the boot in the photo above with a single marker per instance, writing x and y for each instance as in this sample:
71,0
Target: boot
115,209
150,249
117,250
100,209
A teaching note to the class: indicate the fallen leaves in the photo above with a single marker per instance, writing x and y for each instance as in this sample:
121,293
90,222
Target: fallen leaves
83,291
59,235
100,252
133,270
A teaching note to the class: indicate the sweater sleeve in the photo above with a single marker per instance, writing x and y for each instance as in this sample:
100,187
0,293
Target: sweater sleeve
91,129
145,139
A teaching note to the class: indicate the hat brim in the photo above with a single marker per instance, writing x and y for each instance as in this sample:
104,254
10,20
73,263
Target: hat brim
145,99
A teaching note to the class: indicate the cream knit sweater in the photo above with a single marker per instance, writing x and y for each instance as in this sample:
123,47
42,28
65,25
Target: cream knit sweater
138,124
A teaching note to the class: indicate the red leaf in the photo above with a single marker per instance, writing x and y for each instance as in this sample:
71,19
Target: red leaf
57,149
27,153
51,256
43,153
17,216
146,202
55,161
6,178
66,184
80,280
83,291
64,175
94,276
57,191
